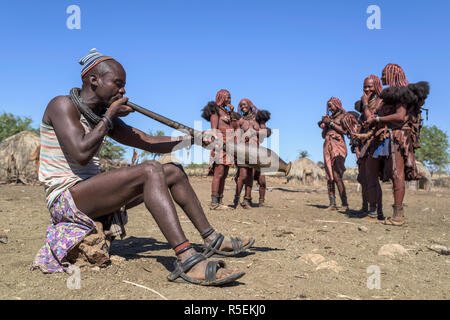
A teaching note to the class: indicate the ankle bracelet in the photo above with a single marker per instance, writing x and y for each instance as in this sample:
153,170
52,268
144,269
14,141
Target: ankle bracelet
205,234
180,251
180,248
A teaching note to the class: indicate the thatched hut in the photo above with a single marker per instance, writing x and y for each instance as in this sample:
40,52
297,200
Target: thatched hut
108,164
321,165
197,171
425,182
167,158
305,171
16,153
351,174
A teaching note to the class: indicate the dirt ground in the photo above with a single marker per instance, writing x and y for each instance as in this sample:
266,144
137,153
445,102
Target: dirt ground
294,226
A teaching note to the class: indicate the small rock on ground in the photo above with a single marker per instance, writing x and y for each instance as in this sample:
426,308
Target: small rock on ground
312,258
3,237
363,229
392,250
330,265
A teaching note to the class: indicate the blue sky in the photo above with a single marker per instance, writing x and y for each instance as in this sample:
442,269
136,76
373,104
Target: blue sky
288,57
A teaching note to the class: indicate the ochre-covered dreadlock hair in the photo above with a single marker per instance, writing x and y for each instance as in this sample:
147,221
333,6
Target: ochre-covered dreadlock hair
221,96
395,76
376,83
336,102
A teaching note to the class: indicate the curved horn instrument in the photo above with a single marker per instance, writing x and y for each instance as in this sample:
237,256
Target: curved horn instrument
255,156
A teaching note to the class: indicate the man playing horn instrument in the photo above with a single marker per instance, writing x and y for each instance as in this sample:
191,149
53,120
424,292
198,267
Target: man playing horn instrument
73,129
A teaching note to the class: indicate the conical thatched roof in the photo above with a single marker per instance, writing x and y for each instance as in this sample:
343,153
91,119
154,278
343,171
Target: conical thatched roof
15,154
108,164
168,157
303,167
425,182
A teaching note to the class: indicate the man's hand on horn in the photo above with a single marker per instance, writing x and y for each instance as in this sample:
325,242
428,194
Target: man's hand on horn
119,108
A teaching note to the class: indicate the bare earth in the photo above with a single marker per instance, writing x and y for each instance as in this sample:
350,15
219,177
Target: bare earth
277,267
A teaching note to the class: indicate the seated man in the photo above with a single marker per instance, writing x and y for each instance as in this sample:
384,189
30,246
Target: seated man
72,132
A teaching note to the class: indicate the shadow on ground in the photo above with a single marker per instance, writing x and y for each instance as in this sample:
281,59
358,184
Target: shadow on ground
133,248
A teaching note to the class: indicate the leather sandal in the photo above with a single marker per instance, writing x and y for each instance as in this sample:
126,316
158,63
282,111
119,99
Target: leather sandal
213,247
210,272
391,222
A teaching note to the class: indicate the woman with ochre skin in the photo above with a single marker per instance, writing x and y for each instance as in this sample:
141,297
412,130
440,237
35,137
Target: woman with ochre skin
251,130
334,151
397,127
